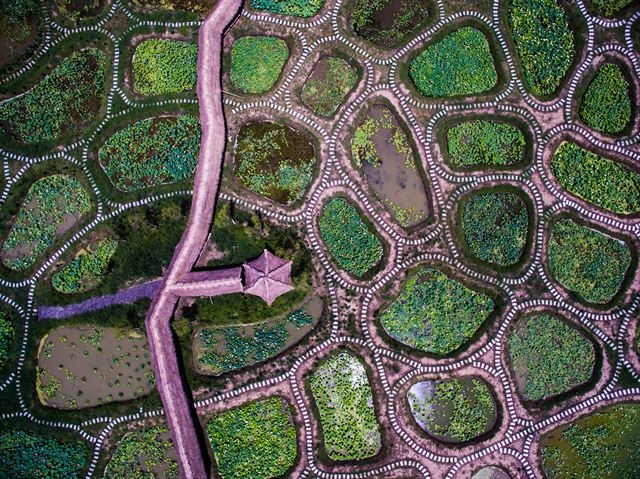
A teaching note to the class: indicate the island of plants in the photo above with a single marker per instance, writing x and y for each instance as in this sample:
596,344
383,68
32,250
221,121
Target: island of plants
257,62
328,85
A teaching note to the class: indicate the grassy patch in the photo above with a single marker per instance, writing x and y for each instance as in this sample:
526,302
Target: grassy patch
257,62
87,269
164,66
434,313
495,227
544,43
607,8
294,8
274,161
350,240
587,262
331,79
459,64
152,152
254,441
603,182
52,206
484,143
549,357
342,394
7,338
606,105
195,6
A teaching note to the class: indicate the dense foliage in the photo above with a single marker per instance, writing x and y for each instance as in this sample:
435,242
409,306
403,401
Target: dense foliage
152,152
52,205
495,227
601,446
7,337
86,270
274,160
606,105
256,63
354,246
544,43
326,88
434,313
76,9
606,183
143,453
607,8
371,20
65,101
28,455
195,6
587,262
254,441
295,8
549,356
459,64
164,66
484,143
342,394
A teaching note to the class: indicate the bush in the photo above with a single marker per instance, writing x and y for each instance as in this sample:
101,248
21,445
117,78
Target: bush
603,182
7,338
587,262
606,8
326,88
164,66
549,356
342,394
295,8
482,143
459,64
65,102
152,152
354,246
254,441
371,20
606,105
256,63
544,43
76,9
434,313
495,227
86,270
52,205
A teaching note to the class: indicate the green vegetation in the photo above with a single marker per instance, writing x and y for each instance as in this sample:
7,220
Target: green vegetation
86,270
606,105
52,206
587,262
484,144
459,64
152,152
274,160
143,453
7,337
295,8
195,6
64,102
434,313
495,227
342,394
29,455
549,357
353,244
331,79
605,183
164,66
77,9
604,445
388,22
607,8
254,441
18,24
256,63
454,410
544,43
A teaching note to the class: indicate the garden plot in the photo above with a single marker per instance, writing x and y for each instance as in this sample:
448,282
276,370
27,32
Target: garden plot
257,62
491,472
76,9
603,445
152,152
434,313
342,396
606,105
53,205
388,23
7,338
164,66
217,350
87,269
84,366
381,149
195,6
453,410
274,160
328,85
549,357
254,441
294,8
19,25
608,8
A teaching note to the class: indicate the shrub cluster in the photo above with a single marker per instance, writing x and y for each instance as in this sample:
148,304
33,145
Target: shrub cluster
256,63
164,66
195,6
607,8
86,270
330,81
370,19
76,9
7,337
294,8
606,105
